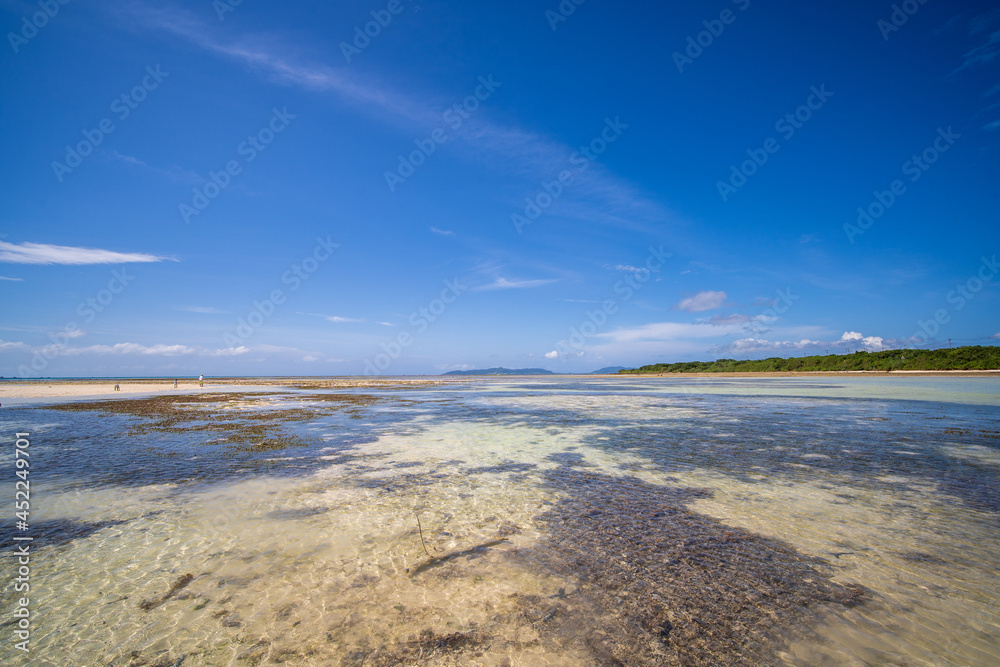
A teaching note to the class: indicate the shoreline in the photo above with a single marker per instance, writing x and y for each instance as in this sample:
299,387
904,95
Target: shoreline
67,387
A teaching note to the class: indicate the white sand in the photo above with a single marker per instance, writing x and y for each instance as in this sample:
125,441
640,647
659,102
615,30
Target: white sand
56,389
18,389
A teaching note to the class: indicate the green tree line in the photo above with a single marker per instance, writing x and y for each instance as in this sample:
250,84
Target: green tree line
969,358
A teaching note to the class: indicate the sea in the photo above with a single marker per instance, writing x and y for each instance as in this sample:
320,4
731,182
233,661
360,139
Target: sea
633,520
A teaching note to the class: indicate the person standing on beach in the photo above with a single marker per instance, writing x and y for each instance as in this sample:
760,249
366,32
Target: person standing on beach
175,384
201,380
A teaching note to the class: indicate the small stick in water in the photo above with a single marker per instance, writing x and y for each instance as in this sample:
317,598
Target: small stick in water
422,537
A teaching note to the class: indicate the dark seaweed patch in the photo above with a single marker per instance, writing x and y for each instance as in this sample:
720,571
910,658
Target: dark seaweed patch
55,533
920,557
422,648
205,437
682,588
181,582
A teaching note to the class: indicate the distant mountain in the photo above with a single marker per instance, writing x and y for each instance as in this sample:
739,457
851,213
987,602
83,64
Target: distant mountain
608,370
503,371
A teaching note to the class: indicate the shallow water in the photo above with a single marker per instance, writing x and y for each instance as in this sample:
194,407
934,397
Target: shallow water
561,522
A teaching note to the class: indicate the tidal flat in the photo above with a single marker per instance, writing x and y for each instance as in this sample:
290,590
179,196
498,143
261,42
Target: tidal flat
515,521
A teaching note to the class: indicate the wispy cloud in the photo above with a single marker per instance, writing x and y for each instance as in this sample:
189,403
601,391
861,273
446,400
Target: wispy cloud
128,158
597,194
982,54
153,350
757,345
442,232
951,24
204,310
723,320
628,268
41,253
159,350
669,331
503,283
13,279
982,22
336,319
702,301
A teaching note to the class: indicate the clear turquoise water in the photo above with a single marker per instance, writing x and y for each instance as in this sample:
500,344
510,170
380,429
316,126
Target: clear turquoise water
611,496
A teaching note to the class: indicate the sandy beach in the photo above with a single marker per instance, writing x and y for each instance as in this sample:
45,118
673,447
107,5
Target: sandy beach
69,388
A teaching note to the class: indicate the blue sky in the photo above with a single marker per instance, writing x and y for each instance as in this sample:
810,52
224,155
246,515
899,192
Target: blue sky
262,188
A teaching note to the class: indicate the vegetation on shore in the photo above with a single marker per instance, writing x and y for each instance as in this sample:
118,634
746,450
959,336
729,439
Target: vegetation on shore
969,358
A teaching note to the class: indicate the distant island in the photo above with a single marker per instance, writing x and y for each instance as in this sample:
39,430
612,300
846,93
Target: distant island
608,370
969,358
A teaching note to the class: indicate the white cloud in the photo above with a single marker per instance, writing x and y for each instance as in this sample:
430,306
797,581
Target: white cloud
13,279
554,354
442,232
851,339
42,253
702,301
870,343
12,345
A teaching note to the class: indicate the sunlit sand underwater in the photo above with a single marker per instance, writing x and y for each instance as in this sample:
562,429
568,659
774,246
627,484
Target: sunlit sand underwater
518,521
